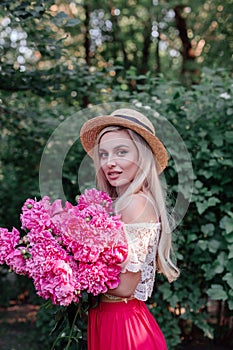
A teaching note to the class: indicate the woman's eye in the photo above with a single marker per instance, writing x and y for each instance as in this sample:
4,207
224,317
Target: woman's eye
121,152
103,155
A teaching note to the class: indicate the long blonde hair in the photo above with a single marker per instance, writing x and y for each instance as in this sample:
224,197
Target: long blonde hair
146,180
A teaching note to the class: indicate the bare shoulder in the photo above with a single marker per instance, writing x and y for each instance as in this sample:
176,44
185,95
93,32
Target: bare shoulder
138,209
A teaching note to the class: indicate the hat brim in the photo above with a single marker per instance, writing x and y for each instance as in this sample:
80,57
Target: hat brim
92,128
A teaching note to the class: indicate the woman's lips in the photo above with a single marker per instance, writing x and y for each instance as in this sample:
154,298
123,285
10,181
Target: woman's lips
113,175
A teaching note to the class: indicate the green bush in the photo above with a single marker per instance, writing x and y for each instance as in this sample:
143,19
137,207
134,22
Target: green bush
204,240
202,116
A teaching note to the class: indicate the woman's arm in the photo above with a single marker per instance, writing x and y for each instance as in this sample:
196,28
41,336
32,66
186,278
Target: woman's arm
138,210
128,284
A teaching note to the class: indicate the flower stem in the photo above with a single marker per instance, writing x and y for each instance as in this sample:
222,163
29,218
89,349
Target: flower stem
72,329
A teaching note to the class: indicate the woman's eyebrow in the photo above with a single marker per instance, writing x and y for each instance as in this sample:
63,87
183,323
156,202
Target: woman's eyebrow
115,148
119,146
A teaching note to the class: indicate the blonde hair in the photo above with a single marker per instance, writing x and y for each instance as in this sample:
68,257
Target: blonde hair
146,180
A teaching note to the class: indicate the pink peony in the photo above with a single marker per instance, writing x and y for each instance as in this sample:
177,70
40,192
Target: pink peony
35,214
98,277
51,268
8,241
114,254
95,197
57,283
67,250
17,262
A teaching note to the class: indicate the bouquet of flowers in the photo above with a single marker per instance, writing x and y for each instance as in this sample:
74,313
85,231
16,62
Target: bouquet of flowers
67,250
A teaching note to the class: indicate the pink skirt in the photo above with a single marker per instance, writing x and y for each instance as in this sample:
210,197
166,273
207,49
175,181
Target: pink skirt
121,326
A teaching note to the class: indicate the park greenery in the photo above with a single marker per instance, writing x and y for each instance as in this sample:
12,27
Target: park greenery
170,60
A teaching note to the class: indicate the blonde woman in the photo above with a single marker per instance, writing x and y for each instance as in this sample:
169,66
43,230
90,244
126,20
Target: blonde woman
128,159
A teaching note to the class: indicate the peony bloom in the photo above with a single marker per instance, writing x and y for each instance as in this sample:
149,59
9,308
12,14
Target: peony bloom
8,242
67,250
35,214
95,197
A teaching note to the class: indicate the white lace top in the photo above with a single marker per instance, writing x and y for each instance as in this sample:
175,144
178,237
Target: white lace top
142,245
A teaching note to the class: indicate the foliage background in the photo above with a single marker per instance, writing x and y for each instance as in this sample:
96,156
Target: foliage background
58,57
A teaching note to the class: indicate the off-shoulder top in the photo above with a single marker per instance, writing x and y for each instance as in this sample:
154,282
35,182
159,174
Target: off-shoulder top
142,241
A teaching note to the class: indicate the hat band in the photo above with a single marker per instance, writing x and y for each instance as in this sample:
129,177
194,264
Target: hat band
132,119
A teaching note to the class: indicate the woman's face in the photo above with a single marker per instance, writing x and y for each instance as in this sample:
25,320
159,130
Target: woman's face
118,158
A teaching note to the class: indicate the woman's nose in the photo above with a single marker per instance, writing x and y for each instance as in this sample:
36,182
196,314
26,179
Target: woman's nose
111,161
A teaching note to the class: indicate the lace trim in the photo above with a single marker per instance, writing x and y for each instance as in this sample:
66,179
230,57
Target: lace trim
142,241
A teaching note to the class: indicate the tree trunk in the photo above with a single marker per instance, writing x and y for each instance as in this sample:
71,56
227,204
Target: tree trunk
157,56
188,55
117,39
87,34
146,48
87,44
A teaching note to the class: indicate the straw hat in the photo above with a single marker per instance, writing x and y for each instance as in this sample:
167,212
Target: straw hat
130,119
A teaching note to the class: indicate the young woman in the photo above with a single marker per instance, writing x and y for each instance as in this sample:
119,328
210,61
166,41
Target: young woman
128,159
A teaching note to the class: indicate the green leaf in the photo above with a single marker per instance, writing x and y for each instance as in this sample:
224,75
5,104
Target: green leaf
213,245
227,224
229,136
230,304
216,292
218,140
198,184
166,291
205,327
229,279
201,207
230,247
208,229
229,237
173,300
61,15
202,244
229,111
72,22
191,237
212,201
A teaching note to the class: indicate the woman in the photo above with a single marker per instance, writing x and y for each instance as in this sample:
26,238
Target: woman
128,158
